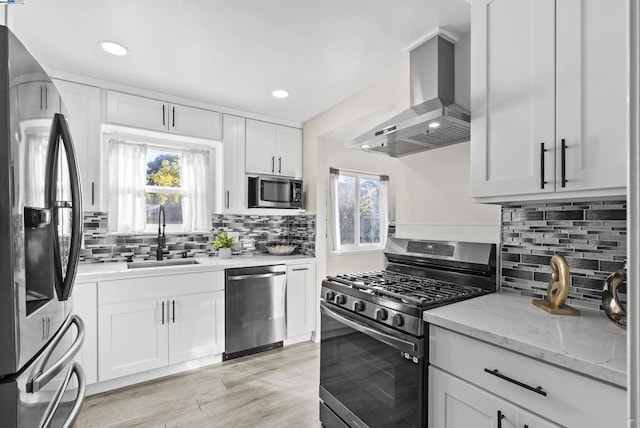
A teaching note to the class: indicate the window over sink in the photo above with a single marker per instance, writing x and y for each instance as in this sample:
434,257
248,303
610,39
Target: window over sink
145,173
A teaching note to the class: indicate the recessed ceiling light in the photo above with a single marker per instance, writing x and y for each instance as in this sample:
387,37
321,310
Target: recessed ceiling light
113,48
280,93
365,146
434,124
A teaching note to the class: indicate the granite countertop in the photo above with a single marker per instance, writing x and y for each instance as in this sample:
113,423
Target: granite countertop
589,344
92,272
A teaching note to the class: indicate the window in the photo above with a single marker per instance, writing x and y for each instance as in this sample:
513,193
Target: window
359,210
163,186
145,174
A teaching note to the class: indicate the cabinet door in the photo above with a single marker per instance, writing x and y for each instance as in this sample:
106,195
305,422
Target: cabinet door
141,112
37,99
512,97
454,403
300,299
81,106
85,305
592,89
260,147
133,338
196,326
195,122
289,151
234,194
525,419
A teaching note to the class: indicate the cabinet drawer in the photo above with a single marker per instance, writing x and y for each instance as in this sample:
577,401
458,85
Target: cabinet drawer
571,399
127,290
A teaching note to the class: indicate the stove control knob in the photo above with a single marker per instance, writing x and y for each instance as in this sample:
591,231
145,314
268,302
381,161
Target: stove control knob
329,296
381,314
358,306
341,299
397,320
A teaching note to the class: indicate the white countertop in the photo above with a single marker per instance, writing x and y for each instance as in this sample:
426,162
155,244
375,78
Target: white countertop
589,344
92,272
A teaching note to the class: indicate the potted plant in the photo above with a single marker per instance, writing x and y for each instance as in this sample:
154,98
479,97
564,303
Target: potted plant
223,244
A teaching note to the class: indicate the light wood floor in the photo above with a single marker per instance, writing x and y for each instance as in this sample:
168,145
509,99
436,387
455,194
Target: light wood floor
277,388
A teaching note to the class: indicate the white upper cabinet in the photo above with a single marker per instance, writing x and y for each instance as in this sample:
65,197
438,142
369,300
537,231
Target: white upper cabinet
141,112
273,149
37,99
234,195
82,109
544,73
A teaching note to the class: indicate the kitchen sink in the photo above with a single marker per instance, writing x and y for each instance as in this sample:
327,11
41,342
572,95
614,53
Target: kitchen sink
159,263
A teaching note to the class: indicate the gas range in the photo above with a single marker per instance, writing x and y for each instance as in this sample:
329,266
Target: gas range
420,275
373,351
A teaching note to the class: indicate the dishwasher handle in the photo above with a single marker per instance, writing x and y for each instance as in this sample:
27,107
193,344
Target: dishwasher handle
255,276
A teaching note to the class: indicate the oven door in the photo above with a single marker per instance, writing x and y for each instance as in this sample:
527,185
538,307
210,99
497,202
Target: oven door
370,374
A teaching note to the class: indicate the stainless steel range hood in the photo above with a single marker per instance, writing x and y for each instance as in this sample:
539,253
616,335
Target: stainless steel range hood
433,120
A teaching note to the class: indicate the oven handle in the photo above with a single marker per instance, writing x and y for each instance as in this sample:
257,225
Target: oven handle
402,345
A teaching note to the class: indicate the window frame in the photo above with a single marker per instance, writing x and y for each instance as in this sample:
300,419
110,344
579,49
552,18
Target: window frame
357,246
170,142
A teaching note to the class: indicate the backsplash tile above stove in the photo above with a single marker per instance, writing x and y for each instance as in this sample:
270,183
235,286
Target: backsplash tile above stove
254,232
592,236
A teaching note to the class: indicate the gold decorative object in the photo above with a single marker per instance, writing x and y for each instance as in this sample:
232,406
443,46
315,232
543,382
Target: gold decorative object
558,289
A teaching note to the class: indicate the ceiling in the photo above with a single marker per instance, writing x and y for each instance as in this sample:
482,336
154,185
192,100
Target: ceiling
233,53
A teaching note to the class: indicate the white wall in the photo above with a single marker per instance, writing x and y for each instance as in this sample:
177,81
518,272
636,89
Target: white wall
427,188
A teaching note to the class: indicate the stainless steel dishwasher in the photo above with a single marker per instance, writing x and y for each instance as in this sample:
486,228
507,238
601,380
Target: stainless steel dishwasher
255,309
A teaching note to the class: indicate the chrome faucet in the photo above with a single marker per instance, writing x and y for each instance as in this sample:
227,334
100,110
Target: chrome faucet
162,240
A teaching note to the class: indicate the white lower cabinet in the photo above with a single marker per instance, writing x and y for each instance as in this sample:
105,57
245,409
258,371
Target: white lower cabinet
84,305
300,300
477,384
459,404
145,325
196,326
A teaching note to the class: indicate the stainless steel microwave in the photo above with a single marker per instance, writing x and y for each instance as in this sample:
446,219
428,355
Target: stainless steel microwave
274,192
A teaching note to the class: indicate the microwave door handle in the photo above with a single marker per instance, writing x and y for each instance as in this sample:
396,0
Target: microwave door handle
59,129
57,399
402,345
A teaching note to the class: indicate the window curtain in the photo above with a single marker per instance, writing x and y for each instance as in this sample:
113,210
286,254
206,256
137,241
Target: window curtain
334,214
35,166
194,182
384,209
127,181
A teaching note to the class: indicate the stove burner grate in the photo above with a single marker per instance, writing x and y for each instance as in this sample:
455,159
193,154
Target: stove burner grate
409,289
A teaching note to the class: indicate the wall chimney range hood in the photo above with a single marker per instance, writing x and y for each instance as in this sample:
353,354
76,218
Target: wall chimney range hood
433,120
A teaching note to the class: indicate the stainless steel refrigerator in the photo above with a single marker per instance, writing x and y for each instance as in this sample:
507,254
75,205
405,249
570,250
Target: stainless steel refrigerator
40,237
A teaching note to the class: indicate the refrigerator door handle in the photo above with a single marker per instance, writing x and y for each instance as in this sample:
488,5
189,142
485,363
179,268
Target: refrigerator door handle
59,128
57,399
43,377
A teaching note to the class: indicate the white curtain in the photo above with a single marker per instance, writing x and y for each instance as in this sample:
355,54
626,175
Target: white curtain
384,209
194,179
333,210
35,165
127,181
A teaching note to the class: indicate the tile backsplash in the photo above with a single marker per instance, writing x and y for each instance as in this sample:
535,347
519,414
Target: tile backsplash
254,232
592,236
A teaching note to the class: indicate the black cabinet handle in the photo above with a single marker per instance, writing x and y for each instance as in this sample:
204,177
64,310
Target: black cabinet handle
228,199
93,193
563,166
537,390
273,164
500,418
280,165
163,122
173,117
163,313
542,150
46,97
173,317
41,92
